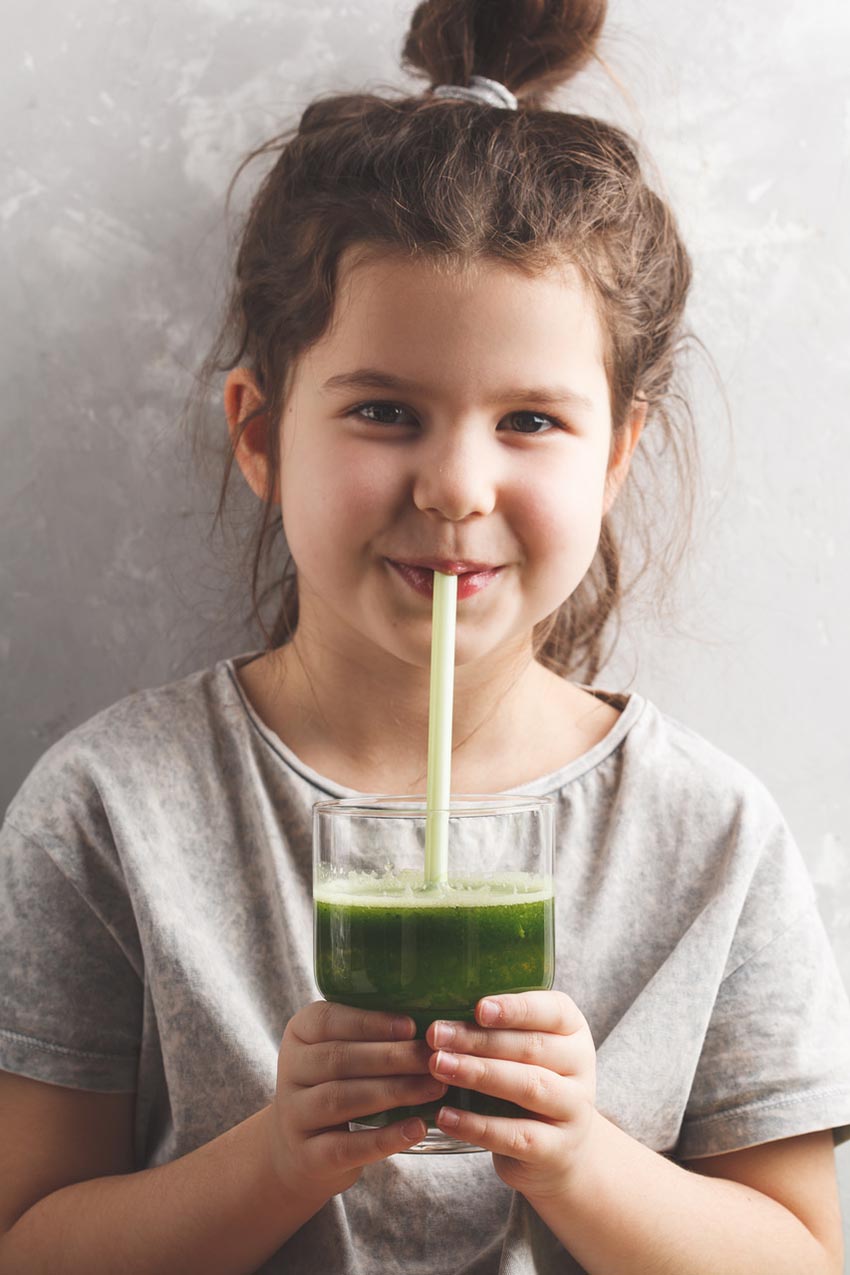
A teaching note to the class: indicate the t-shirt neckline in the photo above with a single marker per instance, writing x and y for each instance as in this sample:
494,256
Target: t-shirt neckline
633,706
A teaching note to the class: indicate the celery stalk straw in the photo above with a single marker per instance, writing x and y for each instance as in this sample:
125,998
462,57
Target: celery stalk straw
440,728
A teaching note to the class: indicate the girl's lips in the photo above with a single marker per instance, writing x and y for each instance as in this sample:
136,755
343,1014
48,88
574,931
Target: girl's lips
422,578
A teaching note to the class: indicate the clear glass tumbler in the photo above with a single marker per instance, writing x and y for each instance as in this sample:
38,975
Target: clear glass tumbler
386,939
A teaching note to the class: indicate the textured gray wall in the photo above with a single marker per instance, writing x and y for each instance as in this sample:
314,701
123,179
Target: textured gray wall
122,125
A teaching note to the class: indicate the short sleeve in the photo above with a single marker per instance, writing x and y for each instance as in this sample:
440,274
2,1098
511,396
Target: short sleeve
70,999
775,1062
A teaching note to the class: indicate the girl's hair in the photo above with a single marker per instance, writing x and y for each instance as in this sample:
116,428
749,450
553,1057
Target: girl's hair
455,181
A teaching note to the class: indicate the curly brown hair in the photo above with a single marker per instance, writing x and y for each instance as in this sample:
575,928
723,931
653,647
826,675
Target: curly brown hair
460,180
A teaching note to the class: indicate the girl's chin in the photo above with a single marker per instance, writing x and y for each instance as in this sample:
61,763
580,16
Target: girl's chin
474,644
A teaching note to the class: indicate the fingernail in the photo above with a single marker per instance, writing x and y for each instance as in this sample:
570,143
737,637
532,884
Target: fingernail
413,1130
448,1118
444,1033
446,1063
402,1028
488,1012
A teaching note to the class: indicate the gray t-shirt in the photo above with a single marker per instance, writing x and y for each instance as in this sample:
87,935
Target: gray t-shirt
156,936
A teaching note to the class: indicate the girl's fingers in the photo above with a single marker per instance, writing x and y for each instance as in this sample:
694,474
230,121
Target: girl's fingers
519,1139
532,1011
337,1101
341,1059
535,1088
325,1021
543,1048
345,1151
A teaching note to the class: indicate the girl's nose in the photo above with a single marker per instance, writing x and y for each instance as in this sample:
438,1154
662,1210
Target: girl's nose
455,480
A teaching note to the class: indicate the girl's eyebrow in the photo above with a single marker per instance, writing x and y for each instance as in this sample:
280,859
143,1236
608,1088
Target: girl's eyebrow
372,379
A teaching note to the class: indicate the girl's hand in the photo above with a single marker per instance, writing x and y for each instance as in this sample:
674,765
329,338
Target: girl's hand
338,1064
534,1049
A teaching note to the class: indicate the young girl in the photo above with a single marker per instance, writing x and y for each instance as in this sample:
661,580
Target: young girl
454,316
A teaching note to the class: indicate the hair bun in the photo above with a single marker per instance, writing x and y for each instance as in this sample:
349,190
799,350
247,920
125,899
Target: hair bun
530,46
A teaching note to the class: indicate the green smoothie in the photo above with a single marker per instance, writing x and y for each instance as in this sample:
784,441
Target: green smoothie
431,952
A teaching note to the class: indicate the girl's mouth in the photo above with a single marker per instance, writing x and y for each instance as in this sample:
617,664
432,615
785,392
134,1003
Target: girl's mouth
471,577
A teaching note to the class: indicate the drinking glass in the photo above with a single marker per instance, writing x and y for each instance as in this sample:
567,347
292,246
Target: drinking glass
386,938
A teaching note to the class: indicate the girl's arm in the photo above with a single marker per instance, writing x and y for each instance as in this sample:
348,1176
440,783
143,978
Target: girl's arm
774,1210
229,1205
616,1206
219,1209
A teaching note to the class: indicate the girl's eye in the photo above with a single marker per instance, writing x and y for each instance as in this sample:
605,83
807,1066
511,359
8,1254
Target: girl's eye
528,423
383,413
515,422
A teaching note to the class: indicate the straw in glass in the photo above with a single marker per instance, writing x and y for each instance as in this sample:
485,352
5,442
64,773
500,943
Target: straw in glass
443,618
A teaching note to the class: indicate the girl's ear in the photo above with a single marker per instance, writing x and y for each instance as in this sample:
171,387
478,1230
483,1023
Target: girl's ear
622,451
241,398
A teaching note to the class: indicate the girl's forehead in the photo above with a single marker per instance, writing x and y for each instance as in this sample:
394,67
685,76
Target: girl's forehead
416,310
367,276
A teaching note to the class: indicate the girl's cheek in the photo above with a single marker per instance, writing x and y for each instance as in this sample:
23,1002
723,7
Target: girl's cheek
337,508
561,506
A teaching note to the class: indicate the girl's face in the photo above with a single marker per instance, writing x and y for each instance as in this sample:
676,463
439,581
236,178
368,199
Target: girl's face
458,422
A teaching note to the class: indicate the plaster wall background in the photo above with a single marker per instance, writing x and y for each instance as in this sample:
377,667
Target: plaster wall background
121,127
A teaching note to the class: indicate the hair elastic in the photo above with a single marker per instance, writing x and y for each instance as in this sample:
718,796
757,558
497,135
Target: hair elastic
480,89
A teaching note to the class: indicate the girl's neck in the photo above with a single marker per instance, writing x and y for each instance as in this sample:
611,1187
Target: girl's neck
365,727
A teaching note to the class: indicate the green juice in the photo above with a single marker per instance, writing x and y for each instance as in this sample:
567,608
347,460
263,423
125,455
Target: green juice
432,954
